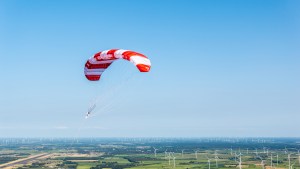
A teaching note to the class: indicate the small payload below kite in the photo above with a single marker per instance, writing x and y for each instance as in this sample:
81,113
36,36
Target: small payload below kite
91,108
97,64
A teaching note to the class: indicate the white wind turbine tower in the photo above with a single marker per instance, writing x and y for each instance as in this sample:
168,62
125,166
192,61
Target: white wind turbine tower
298,157
271,160
208,161
169,158
216,158
235,155
196,154
174,162
182,153
240,162
166,154
155,151
262,164
231,150
289,158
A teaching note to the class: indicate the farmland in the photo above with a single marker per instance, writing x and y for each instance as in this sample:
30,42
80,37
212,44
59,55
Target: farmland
150,153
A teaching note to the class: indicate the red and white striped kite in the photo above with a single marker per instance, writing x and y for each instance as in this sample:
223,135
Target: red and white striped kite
97,64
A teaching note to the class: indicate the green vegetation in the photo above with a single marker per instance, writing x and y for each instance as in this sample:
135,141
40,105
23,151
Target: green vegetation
187,154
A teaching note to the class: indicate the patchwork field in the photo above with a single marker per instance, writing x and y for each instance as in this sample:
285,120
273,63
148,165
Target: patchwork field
152,154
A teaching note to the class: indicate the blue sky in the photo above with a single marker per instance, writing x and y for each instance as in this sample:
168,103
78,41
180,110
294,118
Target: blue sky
219,68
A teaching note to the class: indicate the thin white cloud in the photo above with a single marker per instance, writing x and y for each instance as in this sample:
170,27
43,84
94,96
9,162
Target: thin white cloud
61,127
95,128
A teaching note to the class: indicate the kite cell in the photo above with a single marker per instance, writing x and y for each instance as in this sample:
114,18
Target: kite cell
97,64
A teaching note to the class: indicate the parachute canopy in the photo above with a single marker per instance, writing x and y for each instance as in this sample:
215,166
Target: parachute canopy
97,64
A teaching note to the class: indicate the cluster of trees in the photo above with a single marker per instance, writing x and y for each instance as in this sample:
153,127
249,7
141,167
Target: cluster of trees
37,164
68,164
113,165
7,159
137,159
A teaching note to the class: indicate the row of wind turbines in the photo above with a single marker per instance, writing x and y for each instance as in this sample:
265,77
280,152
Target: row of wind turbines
237,157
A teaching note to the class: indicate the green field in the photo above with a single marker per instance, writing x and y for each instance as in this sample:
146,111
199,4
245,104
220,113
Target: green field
181,154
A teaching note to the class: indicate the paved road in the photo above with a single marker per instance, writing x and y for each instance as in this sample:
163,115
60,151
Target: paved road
23,160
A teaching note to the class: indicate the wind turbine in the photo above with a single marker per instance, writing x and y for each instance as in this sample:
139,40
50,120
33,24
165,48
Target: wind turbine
196,154
277,158
216,158
240,162
271,160
182,153
293,165
155,151
208,161
298,157
289,158
285,150
166,153
235,155
262,164
169,158
174,162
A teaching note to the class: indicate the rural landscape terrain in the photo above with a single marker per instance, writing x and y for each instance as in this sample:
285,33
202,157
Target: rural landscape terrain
150,153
